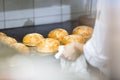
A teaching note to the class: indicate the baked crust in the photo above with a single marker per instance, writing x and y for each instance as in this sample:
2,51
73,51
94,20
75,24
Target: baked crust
32,39
84,31
21,48
48,45
2,34
58,34
8,40
73,38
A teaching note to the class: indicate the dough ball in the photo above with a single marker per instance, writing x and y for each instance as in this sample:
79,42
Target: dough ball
48,45
21,48
73,38
32,39
84,31
58,34
8,40
2,34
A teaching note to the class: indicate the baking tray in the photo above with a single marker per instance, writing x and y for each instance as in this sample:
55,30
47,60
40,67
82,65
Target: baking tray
36,58
20,32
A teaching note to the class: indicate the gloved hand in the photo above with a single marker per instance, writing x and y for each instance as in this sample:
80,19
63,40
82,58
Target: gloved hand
72,51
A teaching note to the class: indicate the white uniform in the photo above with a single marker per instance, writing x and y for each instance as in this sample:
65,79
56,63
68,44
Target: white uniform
95,49
108,17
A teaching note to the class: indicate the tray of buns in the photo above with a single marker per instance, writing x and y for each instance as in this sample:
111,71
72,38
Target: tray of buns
37,43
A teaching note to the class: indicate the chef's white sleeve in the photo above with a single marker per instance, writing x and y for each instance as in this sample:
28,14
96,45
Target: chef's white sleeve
95,49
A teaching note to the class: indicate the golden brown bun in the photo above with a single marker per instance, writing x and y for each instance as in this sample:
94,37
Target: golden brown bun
84,31
48,45
32,39
2,34
73,38
8,40
21,47
58,34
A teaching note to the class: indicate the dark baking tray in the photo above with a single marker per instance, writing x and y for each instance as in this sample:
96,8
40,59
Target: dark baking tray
19,33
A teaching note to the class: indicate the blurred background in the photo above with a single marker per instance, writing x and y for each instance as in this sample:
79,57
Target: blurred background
19,13
20,17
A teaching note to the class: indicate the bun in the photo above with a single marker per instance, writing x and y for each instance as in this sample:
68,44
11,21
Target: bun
48,45
21,47
58,34
32,39
2,34
84,31
8,40
73,38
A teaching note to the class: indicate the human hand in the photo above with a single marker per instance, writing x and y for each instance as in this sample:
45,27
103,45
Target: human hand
72,51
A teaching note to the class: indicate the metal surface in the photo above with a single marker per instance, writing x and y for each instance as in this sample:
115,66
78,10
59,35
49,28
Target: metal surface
18,33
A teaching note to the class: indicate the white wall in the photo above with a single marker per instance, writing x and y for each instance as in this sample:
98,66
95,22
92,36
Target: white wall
19,13
47,11
1,15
